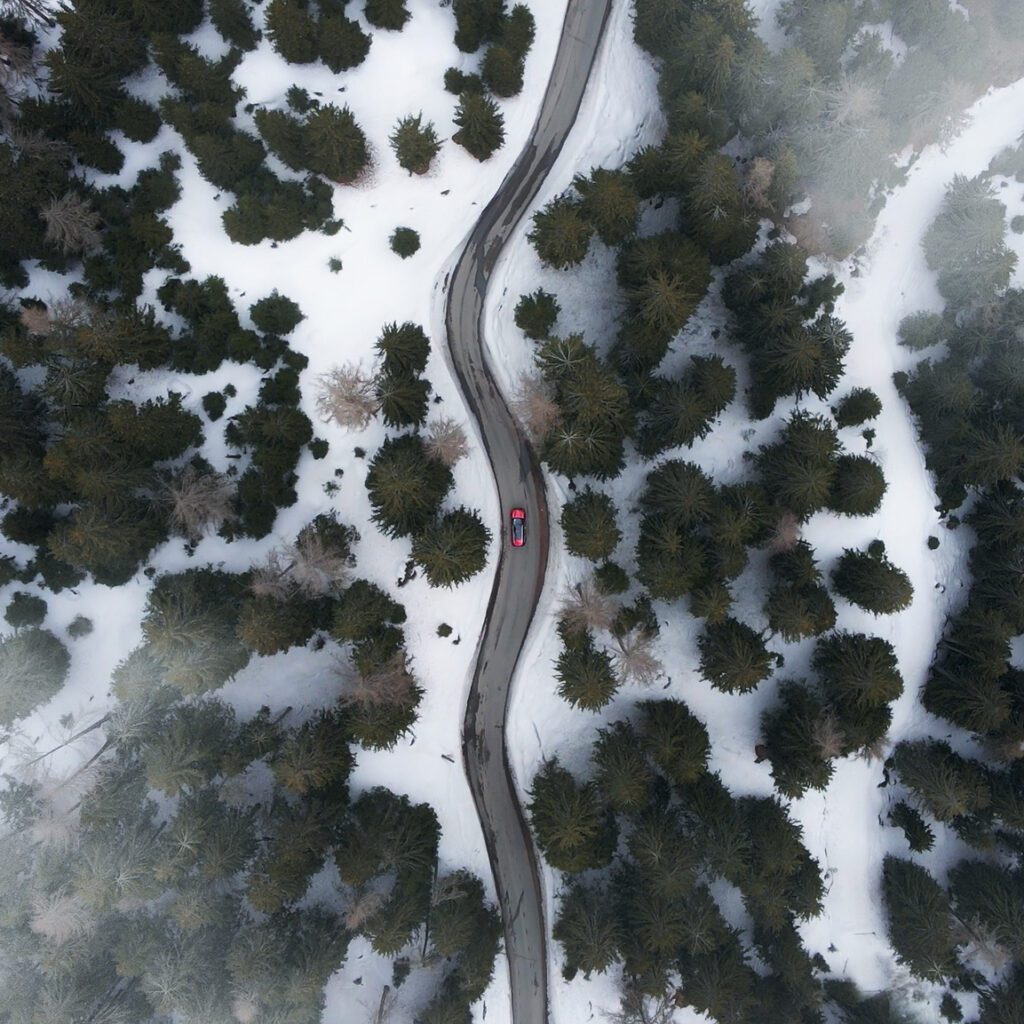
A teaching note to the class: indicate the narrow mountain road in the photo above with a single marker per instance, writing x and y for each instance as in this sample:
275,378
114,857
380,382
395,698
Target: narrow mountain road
520,572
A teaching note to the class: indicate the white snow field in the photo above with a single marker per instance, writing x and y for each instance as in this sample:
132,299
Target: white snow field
843,827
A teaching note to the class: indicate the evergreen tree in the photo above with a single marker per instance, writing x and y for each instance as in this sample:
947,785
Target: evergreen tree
801,740
231,19
588,930
920,921
389,14
185,752
403,399
276,314
481,125
573,830
406,487
590,526
341,43
415,143
857,407
858,671
315,756
518,30
536,314
858,486
292,30
477,22
561,234
664,855
610,203
675,739
948,785
502,71
622,773
585,676
733,657
404,242
670,560
403,349
797,612
268,625
918,832
800,469
33,667
679,493
336,144
453,548
872,582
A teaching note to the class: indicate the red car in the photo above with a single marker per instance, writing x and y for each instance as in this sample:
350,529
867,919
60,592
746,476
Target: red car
518,534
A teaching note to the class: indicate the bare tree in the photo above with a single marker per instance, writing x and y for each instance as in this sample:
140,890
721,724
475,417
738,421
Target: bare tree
362,909
317,570
245,1007
346,395
446,440
17,70
36,320
828,737
448,888
72,225
585,607
535,406
200,502
634,660
787,533
60,916
392,685
635,1007
758,180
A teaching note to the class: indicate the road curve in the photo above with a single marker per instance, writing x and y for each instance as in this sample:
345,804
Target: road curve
520,572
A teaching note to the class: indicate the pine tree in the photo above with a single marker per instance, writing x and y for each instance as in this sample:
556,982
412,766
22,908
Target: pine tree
918,832
678,492
920,920
610,203
858,486
186,752
573,830
588,930
315,756
590,526
991,454
502,71
33,667
403,349
858,671
857,407
477,21
536,314
947,784
292,30
415,143
796,612
453,548
733,657
403,399
336,144
276,314
231,19
561,234
801,740
872,582
670,560
800,469
675,739
389,14
481,125
284,135
341,43
406,487
622,773
585,676
404,242
664,855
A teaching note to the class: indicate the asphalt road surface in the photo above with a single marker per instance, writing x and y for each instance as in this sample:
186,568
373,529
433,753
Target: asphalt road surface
520,572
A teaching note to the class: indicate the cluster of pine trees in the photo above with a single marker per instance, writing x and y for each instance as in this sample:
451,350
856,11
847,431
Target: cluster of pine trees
821,116
643,841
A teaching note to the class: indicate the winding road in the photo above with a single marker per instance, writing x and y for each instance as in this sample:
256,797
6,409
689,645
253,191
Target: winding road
520,572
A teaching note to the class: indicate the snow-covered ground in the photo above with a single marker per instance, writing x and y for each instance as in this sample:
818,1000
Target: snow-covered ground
843,827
